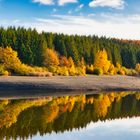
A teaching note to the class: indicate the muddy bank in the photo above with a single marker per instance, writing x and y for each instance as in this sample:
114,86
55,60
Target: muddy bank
68,84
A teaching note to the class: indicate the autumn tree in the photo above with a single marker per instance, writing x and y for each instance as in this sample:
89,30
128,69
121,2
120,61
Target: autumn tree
30,45
71,62
9,58
50,113
72,69
64,61
50,58
101,61
137,68
101,106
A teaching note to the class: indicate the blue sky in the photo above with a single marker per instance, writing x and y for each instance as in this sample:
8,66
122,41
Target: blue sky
111,18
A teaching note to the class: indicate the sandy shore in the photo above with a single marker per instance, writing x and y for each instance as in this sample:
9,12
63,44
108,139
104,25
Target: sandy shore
75,83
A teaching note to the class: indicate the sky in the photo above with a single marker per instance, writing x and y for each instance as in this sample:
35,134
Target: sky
110,18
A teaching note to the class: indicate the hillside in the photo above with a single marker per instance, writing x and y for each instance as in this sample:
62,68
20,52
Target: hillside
66,55
29,44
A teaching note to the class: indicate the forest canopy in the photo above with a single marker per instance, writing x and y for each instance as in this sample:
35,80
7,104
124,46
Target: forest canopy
53,50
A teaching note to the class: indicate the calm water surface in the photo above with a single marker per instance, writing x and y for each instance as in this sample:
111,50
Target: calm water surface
114,116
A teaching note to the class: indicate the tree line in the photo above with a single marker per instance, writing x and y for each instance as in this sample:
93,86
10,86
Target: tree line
30,46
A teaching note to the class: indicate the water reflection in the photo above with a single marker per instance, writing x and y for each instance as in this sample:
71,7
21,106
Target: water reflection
26,118
122,129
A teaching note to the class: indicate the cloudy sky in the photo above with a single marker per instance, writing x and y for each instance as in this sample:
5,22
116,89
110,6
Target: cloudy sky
120,129
110,18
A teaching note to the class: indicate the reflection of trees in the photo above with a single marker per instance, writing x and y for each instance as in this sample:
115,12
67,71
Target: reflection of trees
26,118
49,113
101,106
9,114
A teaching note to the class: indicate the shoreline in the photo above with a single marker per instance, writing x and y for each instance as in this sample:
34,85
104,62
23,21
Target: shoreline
24,85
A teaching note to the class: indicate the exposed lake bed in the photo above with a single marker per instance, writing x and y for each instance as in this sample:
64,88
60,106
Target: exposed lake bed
70,83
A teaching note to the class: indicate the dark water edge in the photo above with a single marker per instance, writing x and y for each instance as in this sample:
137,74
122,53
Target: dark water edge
33,94
59,88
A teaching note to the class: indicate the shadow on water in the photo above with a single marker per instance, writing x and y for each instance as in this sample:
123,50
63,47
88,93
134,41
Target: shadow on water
24,118
32,94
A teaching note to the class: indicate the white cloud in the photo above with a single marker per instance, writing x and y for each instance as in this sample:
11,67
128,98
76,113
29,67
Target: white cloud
63,2
51,2
116,127
16,21
118,4
91,15
118,26
44,2
79,7
109,25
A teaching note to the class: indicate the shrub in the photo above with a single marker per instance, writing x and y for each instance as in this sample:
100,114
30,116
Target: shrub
137,68
134,72
121,72
63,71
80,71
72,70
52,69
112,70
131,72
26,70
89,69
3,71
98,71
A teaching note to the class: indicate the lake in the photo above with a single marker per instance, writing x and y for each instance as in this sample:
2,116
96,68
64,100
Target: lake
114,116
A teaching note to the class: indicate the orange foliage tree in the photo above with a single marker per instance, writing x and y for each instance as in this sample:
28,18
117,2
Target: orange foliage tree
64,61
50,58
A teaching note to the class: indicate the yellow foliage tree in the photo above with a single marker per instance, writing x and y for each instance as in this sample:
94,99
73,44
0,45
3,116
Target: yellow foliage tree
101,106
50,113
10,114
101,61
9,58
112,69
137,68
71,63
50,58
138,96
72,69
